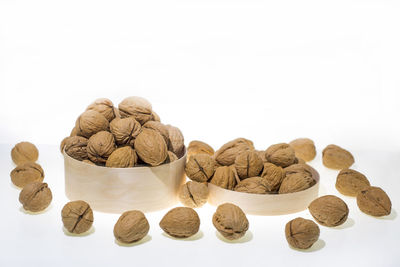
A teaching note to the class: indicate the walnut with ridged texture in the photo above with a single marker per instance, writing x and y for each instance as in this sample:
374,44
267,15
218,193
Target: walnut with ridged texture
24,152
132,226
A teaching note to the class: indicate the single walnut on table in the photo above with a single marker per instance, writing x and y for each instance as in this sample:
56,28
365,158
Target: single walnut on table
329,210
35,196
349,182
335,157
131,227
230,221
301,233
181,222
374,201
24,152
77,216
27,173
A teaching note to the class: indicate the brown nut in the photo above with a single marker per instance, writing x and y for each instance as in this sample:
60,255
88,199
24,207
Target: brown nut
193,194
160,128
304,148
349,182
296,182
24,152
200,167
335,157
298,168
35,196
76,147
181,222
253,185
155,117
227,154
27,173
329,210
225,177
248,164
122,157
374,201
280,154
273,176
100,146
103,106
261,154
301,233
230,221
77,216
91,122
176,141
171,157
150,146
137,107
125,130
199,147
131,227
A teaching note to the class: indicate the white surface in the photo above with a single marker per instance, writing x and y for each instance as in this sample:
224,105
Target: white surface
270,71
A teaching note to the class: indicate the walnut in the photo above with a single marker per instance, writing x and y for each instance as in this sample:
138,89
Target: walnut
125,130
200,167
254,185
77,217
100,146
225,177
155,117
299,161
35,196
74,132
176,141
193,194
298,168
91,122
248,164
329,210
273,176
227,154
131,227
261,154
301,233
374,201
159,127
151,147
122,157
349,182
24,152
103,106
335,157
75,147
171,157
137,107
230,221
199,147
296,182
27,173
304,148
181,222
280,154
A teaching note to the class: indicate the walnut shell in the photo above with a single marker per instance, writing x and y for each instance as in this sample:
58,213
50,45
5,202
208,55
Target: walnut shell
301,233
227,154
253,185
281,155
199,147
329,210
24,152
176,140
262,155
335,157
159,127
349,182
77,216
225,177
374,201
304,148
35,196
200,167
155,117
151,147
273,176
76,147
248,164
171,157
103,106
100,146
131,227
181,222
298,168
91,122
230,221
122,157
193,194
27,173
137,107
296,182
125,130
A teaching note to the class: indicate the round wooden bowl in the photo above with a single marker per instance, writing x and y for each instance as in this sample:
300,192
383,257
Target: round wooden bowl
116,190
265,204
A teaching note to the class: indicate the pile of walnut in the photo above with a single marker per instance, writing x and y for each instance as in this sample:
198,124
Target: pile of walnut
127,136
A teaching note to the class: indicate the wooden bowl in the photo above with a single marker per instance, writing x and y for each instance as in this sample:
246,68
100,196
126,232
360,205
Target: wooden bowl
116,190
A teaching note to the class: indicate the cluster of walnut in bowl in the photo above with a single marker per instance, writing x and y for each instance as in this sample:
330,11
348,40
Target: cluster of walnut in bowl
238,166
127,136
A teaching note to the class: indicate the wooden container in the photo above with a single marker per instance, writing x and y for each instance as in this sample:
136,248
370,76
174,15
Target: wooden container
116,190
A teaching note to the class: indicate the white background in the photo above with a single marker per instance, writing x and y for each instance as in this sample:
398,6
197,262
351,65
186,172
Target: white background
270,71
